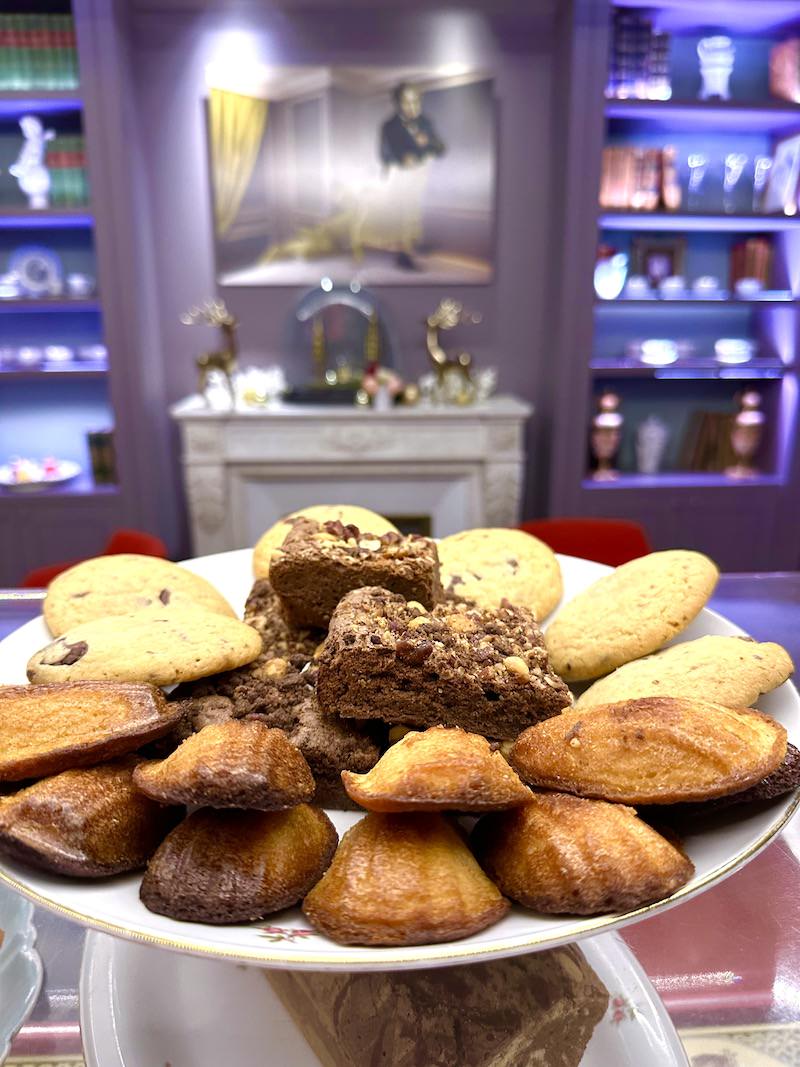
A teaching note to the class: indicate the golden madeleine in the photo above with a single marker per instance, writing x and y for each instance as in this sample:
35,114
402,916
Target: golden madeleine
403,880
49,728
657,750
568,855
441,769
88,823
237,866
240,763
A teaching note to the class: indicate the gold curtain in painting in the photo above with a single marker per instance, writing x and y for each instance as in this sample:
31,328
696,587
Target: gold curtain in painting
237,125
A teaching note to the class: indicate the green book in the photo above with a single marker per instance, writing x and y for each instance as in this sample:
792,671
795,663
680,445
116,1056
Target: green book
6,42
72,53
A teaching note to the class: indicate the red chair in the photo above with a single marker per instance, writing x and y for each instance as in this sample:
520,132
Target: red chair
135,541
611,541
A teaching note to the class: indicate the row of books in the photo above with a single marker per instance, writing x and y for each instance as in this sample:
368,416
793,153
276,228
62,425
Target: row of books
752,258
639,179
66,161
38,52
639,63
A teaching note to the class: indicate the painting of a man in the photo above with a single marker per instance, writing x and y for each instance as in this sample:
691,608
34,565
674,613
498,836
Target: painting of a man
408,143
382,175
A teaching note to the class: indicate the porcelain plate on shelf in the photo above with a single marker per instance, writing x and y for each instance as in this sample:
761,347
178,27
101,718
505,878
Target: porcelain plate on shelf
113,905
140,1007
20,965
66,470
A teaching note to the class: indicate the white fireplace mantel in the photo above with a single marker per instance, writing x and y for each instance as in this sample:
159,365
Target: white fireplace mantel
243,469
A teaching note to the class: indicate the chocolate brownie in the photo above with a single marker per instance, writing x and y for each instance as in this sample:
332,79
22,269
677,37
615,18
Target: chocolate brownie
283,695
485,670
319,562
263,612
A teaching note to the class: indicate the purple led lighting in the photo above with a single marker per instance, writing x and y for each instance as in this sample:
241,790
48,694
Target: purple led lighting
36,105
32,221
23,307
681,480
683,223
692,115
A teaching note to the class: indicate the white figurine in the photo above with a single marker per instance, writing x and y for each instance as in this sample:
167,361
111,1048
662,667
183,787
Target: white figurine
29,169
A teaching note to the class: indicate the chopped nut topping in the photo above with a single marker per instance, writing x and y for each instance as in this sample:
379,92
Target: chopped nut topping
276,668
416,606
418,621
517,665
372,544
462,624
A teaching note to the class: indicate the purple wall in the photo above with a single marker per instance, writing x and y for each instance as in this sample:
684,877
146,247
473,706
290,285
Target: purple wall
169,55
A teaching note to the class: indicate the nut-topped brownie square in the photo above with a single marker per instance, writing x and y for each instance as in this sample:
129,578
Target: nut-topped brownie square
485,670
319,562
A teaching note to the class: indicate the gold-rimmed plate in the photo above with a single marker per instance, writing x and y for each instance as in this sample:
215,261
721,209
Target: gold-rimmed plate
717,849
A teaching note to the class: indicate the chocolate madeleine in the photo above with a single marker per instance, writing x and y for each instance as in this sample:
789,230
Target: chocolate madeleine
236,764
87,823
237,866
49,728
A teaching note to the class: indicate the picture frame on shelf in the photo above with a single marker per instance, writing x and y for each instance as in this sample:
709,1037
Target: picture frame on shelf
780,195
657,258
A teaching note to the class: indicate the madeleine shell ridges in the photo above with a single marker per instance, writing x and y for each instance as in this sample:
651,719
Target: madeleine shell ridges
657,750
87,823
237,866
629,613
440,769
400,879
566,855
235,764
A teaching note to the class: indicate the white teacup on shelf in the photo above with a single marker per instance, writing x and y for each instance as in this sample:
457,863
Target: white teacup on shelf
638,287
672,288
658,352
734,350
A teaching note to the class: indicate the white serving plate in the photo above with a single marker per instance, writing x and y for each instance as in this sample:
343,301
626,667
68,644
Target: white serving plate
140,1007
285,939
20,965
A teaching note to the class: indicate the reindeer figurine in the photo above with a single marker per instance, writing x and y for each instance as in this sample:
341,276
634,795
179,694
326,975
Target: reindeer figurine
448,314
214,313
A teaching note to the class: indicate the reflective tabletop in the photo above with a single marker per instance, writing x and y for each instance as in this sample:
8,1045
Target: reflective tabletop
727,964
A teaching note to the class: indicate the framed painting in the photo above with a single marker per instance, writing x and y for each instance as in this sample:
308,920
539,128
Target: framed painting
384,175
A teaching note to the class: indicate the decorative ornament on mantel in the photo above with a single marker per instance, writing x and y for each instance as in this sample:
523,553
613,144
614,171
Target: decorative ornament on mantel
454,380
215,313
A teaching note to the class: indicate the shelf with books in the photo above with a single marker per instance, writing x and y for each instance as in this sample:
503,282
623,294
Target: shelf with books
37,49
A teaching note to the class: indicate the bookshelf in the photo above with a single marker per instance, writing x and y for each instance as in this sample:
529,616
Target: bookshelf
678,504
49,408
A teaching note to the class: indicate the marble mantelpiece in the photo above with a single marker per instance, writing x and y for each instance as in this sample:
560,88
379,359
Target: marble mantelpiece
243,469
